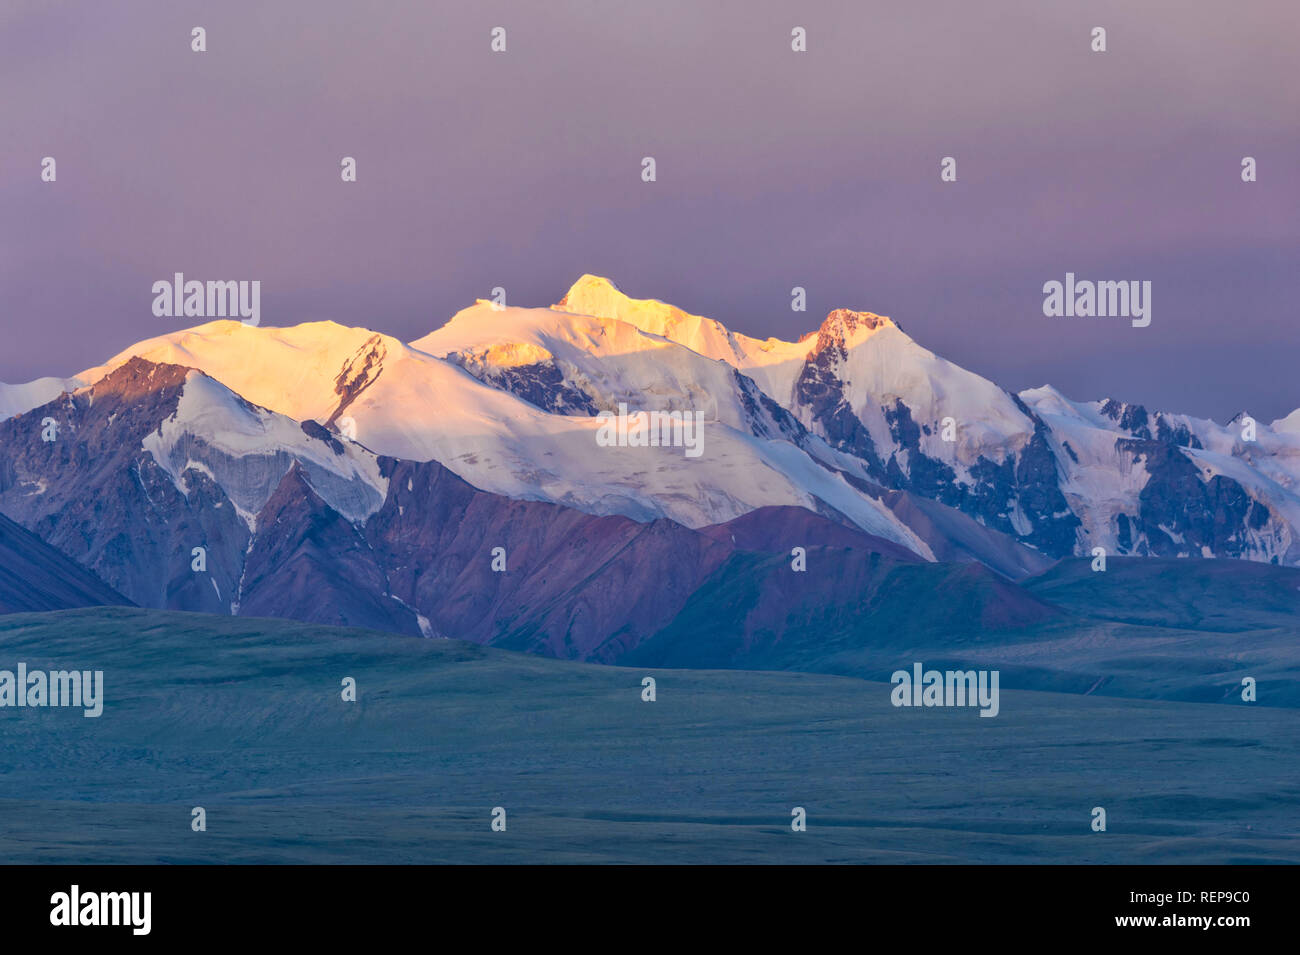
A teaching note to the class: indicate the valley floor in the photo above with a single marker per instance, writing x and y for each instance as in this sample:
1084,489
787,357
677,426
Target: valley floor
244,717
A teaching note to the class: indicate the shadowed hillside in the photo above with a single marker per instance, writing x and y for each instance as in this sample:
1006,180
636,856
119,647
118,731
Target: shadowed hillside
35,576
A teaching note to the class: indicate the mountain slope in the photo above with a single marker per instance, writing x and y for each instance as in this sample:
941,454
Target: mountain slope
758,613
1227,596
35,576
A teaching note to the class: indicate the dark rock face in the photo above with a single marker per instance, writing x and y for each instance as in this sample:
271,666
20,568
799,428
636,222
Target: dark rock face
1138,423
1124,532
1177,434
541,384
360,372
1038,489
314,429
1179,513
924,475
820,390
1028,482
1132,418
765,417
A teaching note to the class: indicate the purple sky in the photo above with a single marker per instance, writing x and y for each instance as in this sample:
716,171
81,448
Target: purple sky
775,169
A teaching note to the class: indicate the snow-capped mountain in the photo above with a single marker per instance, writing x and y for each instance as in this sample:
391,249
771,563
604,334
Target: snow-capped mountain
1173,485
854,421
401,401
183,495
1062,476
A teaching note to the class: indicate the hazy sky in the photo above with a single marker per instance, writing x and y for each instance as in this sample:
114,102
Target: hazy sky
775,169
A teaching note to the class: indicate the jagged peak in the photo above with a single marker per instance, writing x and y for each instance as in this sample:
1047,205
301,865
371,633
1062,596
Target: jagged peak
851,321
137,376
844,328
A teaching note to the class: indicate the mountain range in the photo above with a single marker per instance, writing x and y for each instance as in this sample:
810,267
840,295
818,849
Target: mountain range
453,486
